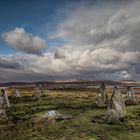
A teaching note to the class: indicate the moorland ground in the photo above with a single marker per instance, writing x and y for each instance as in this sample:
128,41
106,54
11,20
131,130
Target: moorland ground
88,122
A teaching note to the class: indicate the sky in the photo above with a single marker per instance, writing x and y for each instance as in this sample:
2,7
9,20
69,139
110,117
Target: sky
69,39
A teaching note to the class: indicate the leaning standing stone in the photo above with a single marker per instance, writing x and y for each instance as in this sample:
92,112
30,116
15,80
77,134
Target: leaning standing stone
116,107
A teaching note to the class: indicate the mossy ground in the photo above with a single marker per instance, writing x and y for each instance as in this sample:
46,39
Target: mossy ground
88,122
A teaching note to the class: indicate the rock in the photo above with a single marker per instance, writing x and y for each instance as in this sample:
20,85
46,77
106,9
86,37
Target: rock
2,110
16,93
39,91
4,102
51,117
102,98
130,97
116,107
2,113
54,114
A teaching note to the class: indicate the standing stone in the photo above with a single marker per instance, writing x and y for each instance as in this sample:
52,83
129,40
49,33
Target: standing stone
116,106
2,109
5,98
4,102
42,90
102,97
16,93
130,97
39,91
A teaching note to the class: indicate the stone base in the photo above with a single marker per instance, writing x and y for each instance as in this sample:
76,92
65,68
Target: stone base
113,115
100,104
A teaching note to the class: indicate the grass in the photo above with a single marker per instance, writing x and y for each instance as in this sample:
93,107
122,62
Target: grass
88,122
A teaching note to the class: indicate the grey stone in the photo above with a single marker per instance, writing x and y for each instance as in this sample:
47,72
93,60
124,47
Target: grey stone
54,114
2,109
116,106
4,95
16,93
102,97
39,91
51,117
130,97
4,103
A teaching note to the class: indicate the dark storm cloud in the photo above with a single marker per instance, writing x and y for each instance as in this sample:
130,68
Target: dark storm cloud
8,64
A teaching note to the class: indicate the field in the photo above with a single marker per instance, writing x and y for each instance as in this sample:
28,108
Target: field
88,122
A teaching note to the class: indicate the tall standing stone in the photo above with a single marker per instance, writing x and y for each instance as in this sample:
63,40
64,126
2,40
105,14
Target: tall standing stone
116,106
4,102
130,97
2,109
5,98
102,98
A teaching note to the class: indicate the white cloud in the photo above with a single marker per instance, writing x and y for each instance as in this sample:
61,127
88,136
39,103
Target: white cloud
77,63
23,41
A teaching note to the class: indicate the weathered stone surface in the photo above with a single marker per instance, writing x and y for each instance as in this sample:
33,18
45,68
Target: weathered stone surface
102,98
16,93
116,106
51,117
4,95
39,91
130,97
2,110
53,114
4,102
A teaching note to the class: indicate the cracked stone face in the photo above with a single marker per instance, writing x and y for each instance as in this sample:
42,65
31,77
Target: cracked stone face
4,102
51,117
3,95
116,107
102,97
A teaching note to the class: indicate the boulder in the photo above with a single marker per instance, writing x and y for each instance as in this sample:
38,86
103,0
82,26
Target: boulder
51,117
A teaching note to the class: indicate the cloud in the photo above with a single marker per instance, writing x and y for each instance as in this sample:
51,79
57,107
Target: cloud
103,26
6,63
99,63
21,40
99,43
